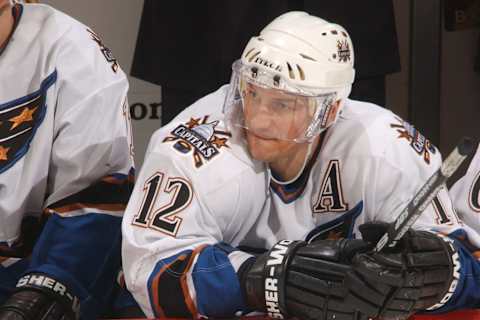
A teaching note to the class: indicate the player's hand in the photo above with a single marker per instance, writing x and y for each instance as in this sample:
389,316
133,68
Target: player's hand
421,272
306,281
30,305
39,297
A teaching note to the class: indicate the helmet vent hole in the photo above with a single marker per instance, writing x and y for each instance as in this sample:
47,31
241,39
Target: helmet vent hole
324,33
253,57
248,53
304,56
334,32
290,71
254,71
300,71
276,80
344,34
260,39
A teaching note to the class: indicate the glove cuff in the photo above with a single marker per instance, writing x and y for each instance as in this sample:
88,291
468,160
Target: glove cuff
54,289
455,266
265,281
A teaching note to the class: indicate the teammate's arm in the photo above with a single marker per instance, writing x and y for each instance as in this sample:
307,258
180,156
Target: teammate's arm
75,260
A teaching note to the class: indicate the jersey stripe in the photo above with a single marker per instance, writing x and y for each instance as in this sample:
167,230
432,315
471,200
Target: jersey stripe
168,288
108,196
154,292
208,269
341,227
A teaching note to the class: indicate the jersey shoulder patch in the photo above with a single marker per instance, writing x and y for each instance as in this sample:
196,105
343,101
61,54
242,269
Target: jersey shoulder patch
200,137
419,143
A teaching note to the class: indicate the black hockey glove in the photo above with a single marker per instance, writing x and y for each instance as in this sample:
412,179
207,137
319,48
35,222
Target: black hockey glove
306,281
421,272
39,296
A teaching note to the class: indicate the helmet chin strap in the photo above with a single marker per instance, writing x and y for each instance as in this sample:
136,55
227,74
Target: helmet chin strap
305,161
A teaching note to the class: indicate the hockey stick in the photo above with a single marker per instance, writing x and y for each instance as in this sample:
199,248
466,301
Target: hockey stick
425,195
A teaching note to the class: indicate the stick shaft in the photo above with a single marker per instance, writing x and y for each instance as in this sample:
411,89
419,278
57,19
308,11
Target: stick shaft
425,195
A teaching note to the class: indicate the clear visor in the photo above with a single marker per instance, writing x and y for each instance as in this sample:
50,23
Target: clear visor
271,107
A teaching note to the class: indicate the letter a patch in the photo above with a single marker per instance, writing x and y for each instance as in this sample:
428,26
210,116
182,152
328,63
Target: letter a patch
330,198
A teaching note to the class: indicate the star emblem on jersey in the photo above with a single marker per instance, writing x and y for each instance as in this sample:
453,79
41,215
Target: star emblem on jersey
3,153
199,137
417,141
25,116
19,121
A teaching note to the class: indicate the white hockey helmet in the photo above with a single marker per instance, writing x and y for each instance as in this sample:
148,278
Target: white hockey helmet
301,56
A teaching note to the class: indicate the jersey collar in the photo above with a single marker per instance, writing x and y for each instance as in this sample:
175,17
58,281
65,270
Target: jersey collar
290,192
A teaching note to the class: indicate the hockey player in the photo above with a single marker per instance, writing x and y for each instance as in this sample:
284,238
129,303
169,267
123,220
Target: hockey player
65,165
268,194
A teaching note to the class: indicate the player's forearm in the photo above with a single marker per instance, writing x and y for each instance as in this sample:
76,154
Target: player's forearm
195,282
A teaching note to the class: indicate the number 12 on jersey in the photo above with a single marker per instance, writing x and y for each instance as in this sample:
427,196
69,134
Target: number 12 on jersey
175,195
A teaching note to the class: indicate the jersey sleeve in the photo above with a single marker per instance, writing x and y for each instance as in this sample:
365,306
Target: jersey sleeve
90,172
396,186
175,256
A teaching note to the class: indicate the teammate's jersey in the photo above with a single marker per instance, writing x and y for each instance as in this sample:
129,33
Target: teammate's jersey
64,150
465,194
200,198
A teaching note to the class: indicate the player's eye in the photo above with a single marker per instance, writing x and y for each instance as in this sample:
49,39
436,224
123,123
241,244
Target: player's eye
283,105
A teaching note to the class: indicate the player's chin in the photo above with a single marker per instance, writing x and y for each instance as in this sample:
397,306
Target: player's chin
260,148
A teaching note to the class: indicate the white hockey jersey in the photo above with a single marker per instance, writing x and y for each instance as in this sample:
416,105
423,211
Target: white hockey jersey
200,197
65,149
465,194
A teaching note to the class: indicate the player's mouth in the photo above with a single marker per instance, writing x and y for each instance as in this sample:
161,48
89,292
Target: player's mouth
260,136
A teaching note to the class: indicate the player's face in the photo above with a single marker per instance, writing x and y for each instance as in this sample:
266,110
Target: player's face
4,5
273,119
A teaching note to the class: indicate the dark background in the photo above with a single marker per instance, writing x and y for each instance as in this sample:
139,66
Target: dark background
442,81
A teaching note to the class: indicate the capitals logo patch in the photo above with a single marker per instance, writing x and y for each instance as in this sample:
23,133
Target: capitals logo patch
418,142
19,120
199,137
